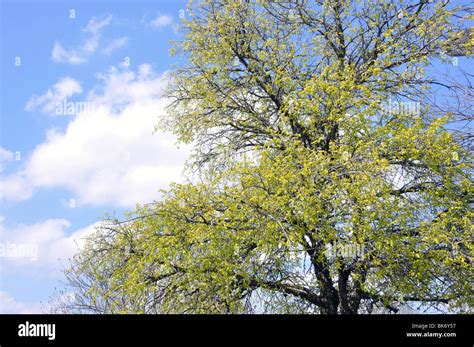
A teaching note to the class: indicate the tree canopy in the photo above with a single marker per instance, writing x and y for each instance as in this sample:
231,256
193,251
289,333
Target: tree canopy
324,177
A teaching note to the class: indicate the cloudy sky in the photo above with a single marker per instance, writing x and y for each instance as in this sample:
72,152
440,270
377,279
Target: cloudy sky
80,90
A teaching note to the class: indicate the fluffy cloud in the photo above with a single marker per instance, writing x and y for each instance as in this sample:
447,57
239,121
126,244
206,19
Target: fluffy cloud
15,187
57,94
9,305
109,154
95,25
161,21
115,44
80,54
40,247
5,156
40,251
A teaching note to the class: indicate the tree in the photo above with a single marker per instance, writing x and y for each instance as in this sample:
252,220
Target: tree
326,182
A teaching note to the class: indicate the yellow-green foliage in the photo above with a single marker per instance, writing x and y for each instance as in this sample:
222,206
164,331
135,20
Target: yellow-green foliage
296,151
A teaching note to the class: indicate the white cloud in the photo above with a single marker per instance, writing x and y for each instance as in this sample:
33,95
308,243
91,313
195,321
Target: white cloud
115,44
40,248
5,156
40,251
63,89
108,155
96,24
15,187
9,305
72,56
161,21
80,54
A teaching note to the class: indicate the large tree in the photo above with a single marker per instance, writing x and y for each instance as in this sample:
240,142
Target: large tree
325,179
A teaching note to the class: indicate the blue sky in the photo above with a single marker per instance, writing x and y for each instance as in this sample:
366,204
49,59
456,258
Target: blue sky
61,172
